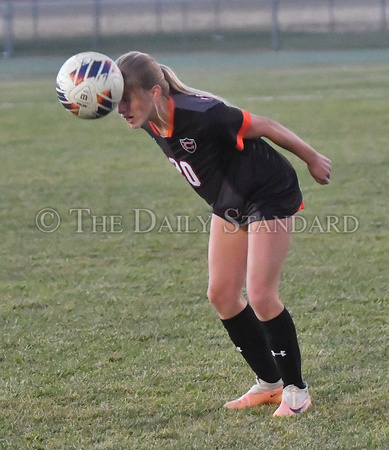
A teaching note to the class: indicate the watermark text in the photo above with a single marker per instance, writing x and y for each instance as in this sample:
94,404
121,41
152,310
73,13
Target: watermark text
144,220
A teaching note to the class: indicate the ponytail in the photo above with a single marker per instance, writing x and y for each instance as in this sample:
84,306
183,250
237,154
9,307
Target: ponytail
141,71
177,86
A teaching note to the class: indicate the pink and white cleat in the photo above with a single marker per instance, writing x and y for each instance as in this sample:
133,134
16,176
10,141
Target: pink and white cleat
294,401
261,393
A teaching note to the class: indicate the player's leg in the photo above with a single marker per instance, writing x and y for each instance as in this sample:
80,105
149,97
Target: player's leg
227,259
268,243
227,274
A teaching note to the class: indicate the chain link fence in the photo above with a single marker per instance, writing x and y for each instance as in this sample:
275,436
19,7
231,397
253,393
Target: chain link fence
40,20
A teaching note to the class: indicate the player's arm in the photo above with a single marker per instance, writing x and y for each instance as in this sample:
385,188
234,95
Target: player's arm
318,165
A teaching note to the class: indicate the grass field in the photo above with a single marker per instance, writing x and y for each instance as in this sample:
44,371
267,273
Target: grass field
108,340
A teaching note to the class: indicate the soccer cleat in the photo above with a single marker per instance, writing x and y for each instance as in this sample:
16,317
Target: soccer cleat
294,401
261,393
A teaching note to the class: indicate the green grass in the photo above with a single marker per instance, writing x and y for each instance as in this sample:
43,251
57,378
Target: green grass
108,341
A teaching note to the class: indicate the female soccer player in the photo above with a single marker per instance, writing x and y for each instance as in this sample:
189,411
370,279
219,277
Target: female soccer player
254,193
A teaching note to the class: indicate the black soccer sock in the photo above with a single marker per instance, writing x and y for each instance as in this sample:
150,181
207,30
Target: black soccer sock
246,332
282,338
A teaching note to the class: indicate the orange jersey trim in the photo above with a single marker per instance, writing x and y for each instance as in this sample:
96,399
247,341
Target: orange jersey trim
246,124
171,120
302,206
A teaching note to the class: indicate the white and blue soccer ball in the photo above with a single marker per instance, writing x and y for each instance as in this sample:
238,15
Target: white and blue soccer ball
89,85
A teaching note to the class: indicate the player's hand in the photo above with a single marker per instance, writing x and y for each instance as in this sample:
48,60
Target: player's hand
320,169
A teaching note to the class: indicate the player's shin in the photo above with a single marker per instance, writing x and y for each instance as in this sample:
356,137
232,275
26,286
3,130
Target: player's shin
247,334
282,338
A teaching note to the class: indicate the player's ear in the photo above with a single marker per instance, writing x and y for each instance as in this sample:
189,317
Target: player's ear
156,92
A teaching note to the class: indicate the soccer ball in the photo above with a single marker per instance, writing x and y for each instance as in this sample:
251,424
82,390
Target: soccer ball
89,85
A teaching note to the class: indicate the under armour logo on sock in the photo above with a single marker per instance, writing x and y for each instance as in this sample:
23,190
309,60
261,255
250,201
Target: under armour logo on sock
239,349
281,353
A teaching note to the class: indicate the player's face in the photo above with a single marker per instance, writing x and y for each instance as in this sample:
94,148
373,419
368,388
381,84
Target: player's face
136,107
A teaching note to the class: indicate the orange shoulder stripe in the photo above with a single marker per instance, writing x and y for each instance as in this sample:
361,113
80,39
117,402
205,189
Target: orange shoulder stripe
171,120
243,130
171,116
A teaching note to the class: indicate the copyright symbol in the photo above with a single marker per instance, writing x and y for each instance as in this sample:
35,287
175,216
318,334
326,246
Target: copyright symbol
47,220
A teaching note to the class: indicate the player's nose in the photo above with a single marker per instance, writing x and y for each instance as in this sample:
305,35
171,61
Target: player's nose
123,108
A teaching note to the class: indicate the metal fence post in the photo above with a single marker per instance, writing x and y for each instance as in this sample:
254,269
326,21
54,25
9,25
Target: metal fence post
185,24
331,15
8,30
35,17
96,25
383,14
217,16
158,15
275,29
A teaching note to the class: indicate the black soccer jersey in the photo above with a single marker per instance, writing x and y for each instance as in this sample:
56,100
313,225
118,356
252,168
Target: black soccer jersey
244,180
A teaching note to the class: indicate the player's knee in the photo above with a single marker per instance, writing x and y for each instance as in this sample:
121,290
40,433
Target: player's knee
220,296
262,299
215,295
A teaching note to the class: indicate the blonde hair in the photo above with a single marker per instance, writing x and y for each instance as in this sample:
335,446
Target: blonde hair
141,71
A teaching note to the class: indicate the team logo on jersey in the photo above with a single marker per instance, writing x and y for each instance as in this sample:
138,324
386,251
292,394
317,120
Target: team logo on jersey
188,144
